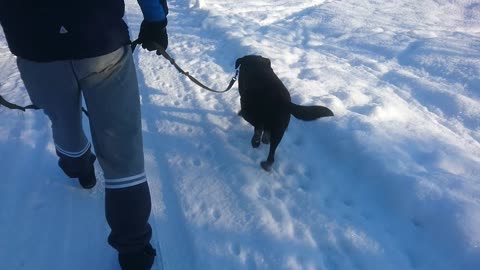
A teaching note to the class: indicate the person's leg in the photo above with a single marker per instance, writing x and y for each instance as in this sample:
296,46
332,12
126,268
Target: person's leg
110,88
53,87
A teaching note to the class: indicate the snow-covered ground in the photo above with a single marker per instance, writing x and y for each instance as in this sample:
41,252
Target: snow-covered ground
391,182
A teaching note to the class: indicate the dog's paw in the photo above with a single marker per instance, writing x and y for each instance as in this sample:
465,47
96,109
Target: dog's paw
255,143
267,166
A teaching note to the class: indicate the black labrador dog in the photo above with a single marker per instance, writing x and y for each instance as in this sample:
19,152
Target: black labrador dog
266,104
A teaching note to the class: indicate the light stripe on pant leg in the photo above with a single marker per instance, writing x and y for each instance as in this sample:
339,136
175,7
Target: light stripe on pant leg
73,154
126,181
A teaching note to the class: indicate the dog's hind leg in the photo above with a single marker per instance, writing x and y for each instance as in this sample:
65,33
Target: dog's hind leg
257,134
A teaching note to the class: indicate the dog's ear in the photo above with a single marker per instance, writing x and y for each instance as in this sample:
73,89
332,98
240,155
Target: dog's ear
266,61
238,62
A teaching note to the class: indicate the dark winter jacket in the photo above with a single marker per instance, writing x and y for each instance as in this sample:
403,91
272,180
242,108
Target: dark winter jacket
49,30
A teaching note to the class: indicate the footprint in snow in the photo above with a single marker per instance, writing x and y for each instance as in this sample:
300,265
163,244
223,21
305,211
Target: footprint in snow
264,193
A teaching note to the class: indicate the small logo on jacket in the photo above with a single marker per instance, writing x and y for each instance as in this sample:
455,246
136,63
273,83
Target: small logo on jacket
63,30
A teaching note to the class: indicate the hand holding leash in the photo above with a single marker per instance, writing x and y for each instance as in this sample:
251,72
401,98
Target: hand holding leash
152,33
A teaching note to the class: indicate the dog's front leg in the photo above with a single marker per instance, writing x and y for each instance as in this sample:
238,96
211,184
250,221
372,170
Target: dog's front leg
257,135
276,136
267,164
266,137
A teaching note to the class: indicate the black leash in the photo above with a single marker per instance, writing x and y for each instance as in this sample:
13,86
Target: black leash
161,51
15,106
12,106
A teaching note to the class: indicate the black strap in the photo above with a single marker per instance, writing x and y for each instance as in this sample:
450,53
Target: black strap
161,51
15,106
12,106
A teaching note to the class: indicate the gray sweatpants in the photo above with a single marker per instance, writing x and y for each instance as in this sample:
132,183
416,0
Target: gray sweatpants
110,89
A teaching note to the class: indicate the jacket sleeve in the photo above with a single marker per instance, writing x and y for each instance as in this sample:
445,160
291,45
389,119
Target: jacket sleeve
154,10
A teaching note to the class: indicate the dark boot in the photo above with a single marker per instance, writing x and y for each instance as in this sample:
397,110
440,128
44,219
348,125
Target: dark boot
142,260
87,179
81,168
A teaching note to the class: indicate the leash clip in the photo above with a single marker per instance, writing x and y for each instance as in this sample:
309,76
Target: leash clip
237,71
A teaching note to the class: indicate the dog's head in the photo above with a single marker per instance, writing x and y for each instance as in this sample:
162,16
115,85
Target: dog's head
253,60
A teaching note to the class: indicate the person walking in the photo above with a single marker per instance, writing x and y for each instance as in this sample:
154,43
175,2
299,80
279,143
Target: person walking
69,49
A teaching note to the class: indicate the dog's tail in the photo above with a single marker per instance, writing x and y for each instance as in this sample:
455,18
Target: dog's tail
309,113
